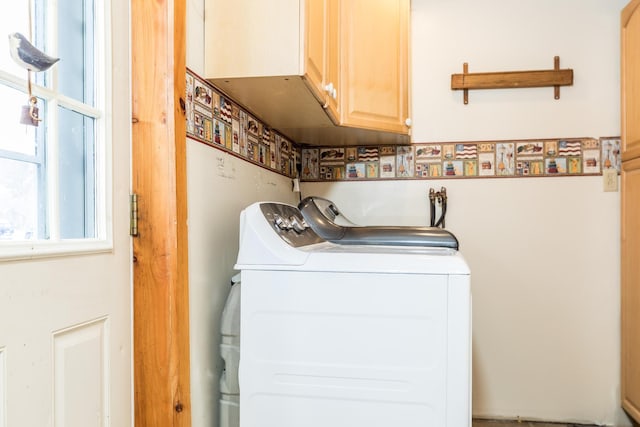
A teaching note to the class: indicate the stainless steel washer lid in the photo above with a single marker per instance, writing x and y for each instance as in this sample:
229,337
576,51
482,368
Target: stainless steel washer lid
328,222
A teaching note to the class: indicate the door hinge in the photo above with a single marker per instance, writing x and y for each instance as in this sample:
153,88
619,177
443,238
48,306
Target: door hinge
133,218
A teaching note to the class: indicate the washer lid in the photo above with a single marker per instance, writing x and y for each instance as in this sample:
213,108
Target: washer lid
267,243
324,217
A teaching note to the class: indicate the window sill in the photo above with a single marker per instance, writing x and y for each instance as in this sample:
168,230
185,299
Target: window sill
13,251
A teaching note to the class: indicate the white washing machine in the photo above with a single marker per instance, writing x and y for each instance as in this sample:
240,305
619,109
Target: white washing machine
349,335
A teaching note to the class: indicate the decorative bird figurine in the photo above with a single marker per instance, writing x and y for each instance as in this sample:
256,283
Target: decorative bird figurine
27,55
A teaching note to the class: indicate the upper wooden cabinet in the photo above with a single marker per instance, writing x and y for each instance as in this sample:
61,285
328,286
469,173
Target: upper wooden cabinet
305,66
374,64
630,70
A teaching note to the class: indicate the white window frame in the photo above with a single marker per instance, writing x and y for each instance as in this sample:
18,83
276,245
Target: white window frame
102,114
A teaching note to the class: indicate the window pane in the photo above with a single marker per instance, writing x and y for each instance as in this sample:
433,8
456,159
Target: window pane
19,201
16,136
77,175
14,19
28,187
76,49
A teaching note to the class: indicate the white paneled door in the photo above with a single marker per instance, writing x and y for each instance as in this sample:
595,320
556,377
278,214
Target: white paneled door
65,350
65,319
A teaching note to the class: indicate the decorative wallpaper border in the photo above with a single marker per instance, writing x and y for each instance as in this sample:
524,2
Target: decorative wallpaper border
219,122
482,159
216,120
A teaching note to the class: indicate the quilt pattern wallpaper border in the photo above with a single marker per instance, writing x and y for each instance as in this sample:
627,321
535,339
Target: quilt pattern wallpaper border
483,159
220,122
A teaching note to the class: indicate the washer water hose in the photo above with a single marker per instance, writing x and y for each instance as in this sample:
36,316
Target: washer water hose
439,197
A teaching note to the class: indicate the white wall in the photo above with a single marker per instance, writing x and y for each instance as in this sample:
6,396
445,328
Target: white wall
503,35
543,252
219,187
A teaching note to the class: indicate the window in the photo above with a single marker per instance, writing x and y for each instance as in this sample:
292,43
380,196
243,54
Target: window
53,192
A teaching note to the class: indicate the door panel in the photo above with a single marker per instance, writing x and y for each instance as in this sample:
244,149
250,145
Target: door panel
80,348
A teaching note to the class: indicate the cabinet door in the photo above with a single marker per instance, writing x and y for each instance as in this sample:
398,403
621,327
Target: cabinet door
314,47
332,74
630,70
374,43
630,291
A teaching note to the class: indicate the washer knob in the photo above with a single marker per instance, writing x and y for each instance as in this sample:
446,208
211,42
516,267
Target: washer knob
297,225
281,223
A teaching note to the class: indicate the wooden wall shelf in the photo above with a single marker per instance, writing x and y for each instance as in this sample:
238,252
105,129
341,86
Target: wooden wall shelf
512,79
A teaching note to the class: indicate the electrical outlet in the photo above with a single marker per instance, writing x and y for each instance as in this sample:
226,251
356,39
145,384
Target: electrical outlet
610,179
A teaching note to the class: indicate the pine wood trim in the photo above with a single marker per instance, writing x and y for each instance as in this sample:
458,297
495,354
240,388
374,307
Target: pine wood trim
512,79
160,273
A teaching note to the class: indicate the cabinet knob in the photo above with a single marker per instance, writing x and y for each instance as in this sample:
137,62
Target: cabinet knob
408,122
329,89
334,94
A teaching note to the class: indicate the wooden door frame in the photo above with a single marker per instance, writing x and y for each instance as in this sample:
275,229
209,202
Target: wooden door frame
160,256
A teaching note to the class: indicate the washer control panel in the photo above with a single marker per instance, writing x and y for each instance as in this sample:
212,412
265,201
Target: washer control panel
288,223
